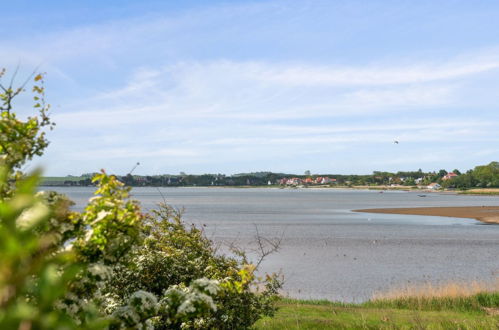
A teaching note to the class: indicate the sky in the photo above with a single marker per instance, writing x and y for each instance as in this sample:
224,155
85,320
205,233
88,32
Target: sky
244,86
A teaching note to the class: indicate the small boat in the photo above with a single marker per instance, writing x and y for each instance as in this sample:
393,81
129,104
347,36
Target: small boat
421,195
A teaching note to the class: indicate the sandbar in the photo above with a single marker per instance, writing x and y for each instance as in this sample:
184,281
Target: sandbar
486,214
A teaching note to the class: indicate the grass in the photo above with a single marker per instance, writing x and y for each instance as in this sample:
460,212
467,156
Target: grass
452,306
456,296
481,191
305,315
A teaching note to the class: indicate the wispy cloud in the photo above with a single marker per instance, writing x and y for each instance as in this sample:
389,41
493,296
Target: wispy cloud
199,108
243,90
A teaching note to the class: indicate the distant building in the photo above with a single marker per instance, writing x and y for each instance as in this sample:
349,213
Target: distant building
298,181
434,186
308,180
323,180
449,176
294,181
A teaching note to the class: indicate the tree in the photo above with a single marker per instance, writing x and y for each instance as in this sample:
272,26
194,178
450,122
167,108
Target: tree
21,140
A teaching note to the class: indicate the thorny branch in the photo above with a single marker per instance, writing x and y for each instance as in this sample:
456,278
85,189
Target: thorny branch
9,92
266,246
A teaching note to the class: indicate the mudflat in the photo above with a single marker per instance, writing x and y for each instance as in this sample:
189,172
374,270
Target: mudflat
487,214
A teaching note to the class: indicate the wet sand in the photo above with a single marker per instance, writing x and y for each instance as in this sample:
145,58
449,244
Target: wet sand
487,214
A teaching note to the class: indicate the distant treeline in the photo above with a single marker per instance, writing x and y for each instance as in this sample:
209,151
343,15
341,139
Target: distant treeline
480,176
485,176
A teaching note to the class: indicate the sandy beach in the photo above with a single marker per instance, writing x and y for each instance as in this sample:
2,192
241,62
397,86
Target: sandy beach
487,214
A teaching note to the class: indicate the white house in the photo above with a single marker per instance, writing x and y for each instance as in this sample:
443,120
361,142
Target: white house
434,186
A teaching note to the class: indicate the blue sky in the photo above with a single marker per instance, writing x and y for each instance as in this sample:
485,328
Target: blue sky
240,86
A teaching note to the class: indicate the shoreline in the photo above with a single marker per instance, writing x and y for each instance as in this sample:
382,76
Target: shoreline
371,188
485,214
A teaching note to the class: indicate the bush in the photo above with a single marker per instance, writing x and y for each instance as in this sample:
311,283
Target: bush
173,255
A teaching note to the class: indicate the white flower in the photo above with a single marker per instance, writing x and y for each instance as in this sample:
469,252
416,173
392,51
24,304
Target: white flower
145,303
88,234
187,307
99,270
101,215
210,286
32,216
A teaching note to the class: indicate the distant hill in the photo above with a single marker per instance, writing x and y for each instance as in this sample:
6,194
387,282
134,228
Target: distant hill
260,174
60,180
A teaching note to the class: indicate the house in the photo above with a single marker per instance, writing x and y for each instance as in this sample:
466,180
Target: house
294,181
290,182
434,186
323,180
418,180
449,176
326,180
308,181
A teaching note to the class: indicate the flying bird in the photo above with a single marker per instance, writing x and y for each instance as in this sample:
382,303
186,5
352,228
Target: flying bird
396,142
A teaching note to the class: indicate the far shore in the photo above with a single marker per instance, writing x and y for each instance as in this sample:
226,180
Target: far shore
380,188
486,214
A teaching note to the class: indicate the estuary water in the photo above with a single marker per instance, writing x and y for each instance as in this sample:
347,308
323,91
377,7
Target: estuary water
329,252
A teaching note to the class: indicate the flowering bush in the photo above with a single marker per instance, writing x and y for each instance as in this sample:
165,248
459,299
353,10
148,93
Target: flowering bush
179,257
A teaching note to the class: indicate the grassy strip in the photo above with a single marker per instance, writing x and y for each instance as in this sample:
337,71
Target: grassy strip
474,303
439,313
479,193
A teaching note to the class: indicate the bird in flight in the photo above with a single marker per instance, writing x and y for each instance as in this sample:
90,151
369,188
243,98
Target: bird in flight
396,142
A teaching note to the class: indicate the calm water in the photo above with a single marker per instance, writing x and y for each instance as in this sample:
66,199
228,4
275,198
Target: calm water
328,251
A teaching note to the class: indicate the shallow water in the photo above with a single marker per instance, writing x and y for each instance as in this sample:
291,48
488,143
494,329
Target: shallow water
329,252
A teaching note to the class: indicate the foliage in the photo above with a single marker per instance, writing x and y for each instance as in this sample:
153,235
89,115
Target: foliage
484,176
111,266
21,140
173,255
31,278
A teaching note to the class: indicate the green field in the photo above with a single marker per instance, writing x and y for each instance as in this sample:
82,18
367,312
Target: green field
59,180
63,178
476,312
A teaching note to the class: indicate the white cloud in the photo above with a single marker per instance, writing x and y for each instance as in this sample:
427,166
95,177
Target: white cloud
200,95
134,152
377,75
224,89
